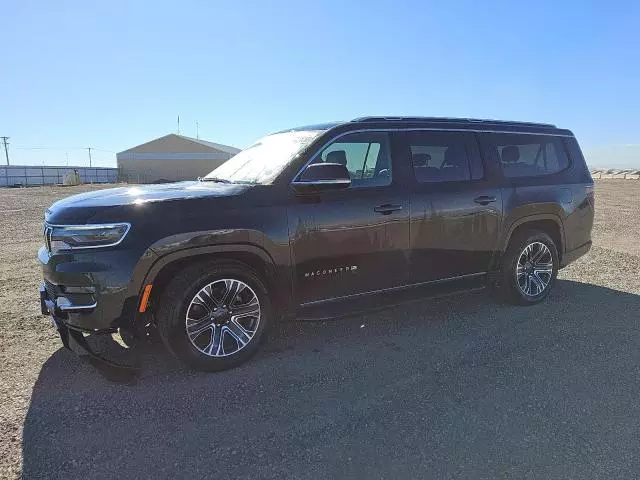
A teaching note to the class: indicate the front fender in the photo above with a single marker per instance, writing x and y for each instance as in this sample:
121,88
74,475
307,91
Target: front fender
174,256
177,247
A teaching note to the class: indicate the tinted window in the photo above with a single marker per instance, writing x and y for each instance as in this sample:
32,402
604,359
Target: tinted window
529,155
439,157
366,156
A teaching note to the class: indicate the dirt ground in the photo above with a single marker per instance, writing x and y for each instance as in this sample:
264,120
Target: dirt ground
543,391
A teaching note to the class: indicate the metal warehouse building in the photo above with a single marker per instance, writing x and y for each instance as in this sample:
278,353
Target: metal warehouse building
171,158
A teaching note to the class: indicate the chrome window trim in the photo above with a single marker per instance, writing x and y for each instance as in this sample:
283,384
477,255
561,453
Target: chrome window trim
92,226
322,182
415,129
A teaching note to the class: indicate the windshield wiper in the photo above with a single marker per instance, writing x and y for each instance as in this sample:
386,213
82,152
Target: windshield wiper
214,179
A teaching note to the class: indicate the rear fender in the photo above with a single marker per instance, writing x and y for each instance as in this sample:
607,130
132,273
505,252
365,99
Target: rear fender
507,234
504,243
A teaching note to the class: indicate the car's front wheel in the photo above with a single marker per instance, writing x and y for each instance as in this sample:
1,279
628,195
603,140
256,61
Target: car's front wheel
212,316
529,268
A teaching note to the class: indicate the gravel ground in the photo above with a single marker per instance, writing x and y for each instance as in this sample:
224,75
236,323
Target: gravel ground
455,387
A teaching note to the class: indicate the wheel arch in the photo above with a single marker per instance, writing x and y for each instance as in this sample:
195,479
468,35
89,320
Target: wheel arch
253,256
548,223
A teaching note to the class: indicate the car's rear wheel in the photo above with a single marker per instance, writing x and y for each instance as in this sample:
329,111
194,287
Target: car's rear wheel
212,316
530,267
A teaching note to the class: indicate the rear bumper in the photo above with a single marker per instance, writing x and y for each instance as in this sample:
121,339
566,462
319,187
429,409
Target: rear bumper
573,255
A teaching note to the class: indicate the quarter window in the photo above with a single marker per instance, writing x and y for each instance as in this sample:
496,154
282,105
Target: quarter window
529,155
366,156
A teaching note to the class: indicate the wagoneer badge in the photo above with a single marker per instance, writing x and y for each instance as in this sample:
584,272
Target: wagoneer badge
320,273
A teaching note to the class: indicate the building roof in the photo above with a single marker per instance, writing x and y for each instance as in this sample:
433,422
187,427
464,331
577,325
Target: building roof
174,143
217,146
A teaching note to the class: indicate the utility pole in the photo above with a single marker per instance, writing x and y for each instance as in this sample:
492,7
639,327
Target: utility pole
89,156
6,150
197,130
178,124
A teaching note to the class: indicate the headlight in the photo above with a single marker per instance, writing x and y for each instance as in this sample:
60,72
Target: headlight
69,237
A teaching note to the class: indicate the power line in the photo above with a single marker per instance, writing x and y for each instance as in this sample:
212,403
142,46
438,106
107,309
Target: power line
102,150
6,150
22,147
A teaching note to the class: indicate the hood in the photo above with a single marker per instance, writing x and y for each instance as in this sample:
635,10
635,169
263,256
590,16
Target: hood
139,195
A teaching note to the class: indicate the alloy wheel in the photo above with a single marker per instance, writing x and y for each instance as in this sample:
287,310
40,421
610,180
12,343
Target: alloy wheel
534,270
223,317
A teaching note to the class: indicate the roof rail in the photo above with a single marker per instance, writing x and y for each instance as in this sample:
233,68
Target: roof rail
450,120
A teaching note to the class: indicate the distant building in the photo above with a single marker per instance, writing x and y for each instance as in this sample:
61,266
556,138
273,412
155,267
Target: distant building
171,158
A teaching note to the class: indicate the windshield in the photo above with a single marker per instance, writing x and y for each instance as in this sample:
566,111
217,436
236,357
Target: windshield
265,159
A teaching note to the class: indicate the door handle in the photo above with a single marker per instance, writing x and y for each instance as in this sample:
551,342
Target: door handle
485,199
387,208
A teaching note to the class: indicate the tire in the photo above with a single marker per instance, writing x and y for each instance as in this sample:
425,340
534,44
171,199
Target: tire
521,283
194,298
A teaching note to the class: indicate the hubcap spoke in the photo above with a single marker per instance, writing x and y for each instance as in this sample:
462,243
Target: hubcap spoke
196,327
543,268
216,345
233,288
206,299
238,332
231,317
538,283
248,310
538,254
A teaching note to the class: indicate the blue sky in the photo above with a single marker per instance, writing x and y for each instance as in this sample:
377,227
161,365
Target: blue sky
111,75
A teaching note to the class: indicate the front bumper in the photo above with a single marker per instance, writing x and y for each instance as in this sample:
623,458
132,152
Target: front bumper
94,290
76,340
61,303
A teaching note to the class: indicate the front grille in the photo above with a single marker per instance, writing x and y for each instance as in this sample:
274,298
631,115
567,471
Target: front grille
51,289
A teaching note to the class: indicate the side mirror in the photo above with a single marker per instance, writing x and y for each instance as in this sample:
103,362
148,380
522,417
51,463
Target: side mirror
322,176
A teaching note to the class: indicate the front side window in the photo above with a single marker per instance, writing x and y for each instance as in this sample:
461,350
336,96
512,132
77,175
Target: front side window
439,157
529,155
263,161
366,156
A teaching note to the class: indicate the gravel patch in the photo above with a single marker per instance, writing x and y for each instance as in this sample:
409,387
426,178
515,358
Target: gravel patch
454,387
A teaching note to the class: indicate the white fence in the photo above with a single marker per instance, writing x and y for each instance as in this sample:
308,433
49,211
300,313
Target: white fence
14,175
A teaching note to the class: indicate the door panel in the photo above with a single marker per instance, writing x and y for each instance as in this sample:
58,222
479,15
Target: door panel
455,211
356,240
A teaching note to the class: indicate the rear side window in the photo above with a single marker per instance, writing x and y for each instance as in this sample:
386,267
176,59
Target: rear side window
440,157
529,155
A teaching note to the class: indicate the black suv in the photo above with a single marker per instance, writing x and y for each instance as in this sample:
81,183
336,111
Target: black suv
317,222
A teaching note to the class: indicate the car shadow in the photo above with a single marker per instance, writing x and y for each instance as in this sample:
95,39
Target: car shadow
457,386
